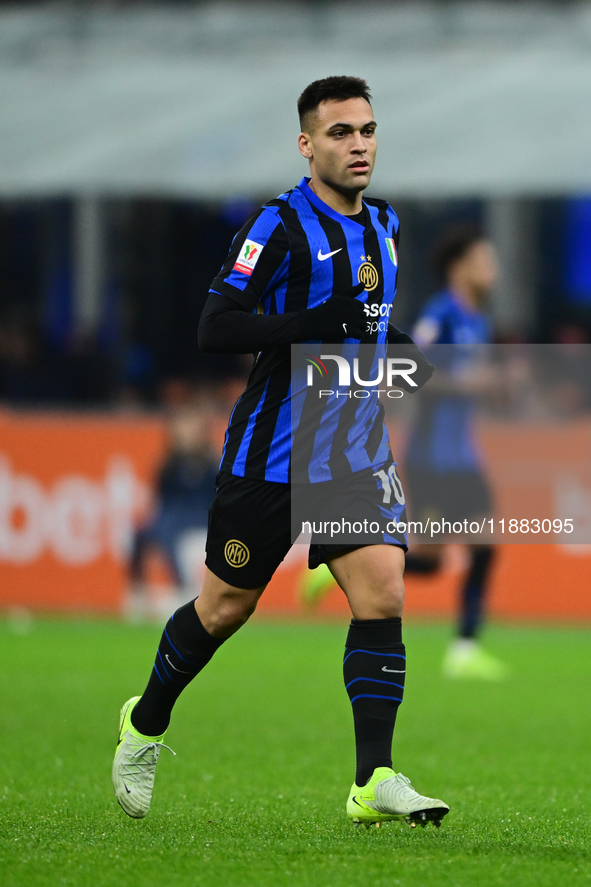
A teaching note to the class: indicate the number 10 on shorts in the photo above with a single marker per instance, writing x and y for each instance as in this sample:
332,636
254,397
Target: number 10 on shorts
390,484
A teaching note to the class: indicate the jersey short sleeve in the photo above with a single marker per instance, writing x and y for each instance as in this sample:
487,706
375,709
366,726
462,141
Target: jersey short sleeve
258,260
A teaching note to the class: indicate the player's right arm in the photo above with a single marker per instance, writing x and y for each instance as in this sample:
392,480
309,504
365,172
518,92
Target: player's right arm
257,264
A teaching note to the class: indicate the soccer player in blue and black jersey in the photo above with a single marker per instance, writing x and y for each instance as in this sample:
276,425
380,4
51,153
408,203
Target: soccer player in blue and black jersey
314,265
443,465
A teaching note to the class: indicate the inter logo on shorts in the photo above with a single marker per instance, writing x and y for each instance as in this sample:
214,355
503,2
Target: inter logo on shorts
236,553
368,276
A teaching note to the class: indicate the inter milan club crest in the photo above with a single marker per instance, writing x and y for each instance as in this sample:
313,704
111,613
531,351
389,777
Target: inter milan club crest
368,274
236,553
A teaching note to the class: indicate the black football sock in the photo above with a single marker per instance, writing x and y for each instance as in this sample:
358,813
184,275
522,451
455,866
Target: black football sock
474,591
185,648
421,563
374,669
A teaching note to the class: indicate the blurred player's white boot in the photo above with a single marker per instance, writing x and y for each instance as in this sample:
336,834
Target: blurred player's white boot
143,602
134,606
134,767
465,658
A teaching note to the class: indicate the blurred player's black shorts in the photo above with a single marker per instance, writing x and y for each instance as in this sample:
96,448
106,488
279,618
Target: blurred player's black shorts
250,524
451,496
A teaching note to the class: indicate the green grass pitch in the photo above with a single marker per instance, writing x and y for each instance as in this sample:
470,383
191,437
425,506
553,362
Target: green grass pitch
264,762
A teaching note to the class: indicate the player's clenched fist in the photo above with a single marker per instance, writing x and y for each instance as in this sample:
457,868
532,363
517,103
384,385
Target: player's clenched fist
406,347
340,317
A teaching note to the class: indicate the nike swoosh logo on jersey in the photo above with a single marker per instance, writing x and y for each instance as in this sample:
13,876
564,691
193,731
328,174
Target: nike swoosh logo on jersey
167,657
394,670
322,256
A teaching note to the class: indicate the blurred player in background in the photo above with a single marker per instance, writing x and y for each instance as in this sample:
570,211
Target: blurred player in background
297,272
442,464
177,529
441,459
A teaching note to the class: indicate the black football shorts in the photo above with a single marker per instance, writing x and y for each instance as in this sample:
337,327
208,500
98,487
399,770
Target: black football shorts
250,526
451,496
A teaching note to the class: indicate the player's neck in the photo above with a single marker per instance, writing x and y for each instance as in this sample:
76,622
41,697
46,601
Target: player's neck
347,203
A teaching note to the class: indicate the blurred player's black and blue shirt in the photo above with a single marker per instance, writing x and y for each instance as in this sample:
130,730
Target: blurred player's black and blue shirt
295,253
442,438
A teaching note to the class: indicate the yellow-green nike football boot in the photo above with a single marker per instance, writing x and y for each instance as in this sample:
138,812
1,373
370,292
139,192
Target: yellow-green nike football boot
134,766
314,585
390,796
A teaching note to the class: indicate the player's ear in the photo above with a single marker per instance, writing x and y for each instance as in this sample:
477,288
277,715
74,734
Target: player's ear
305,145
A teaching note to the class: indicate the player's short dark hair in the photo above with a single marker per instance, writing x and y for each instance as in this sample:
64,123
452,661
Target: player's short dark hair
452,244
331,89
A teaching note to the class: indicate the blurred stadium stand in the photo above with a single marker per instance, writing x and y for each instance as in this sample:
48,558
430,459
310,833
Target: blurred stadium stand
136,138
198,99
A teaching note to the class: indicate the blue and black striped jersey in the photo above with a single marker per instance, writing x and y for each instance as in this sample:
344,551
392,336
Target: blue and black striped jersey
295,253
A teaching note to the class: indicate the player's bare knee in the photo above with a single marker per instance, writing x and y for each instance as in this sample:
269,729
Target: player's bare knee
386,591
236,612
389,601
232,611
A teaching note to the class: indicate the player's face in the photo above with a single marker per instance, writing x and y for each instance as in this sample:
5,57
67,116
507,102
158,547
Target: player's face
483,266
341,146
479,268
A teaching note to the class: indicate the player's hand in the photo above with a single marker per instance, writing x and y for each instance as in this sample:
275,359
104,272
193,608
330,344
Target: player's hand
340,317
405,347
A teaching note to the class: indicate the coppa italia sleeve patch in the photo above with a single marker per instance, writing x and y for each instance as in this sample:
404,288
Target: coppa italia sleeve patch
248,257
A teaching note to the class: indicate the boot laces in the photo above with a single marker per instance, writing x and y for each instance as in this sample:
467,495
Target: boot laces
153,747
143,758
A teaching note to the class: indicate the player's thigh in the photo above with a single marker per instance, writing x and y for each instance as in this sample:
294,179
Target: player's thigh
372,578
